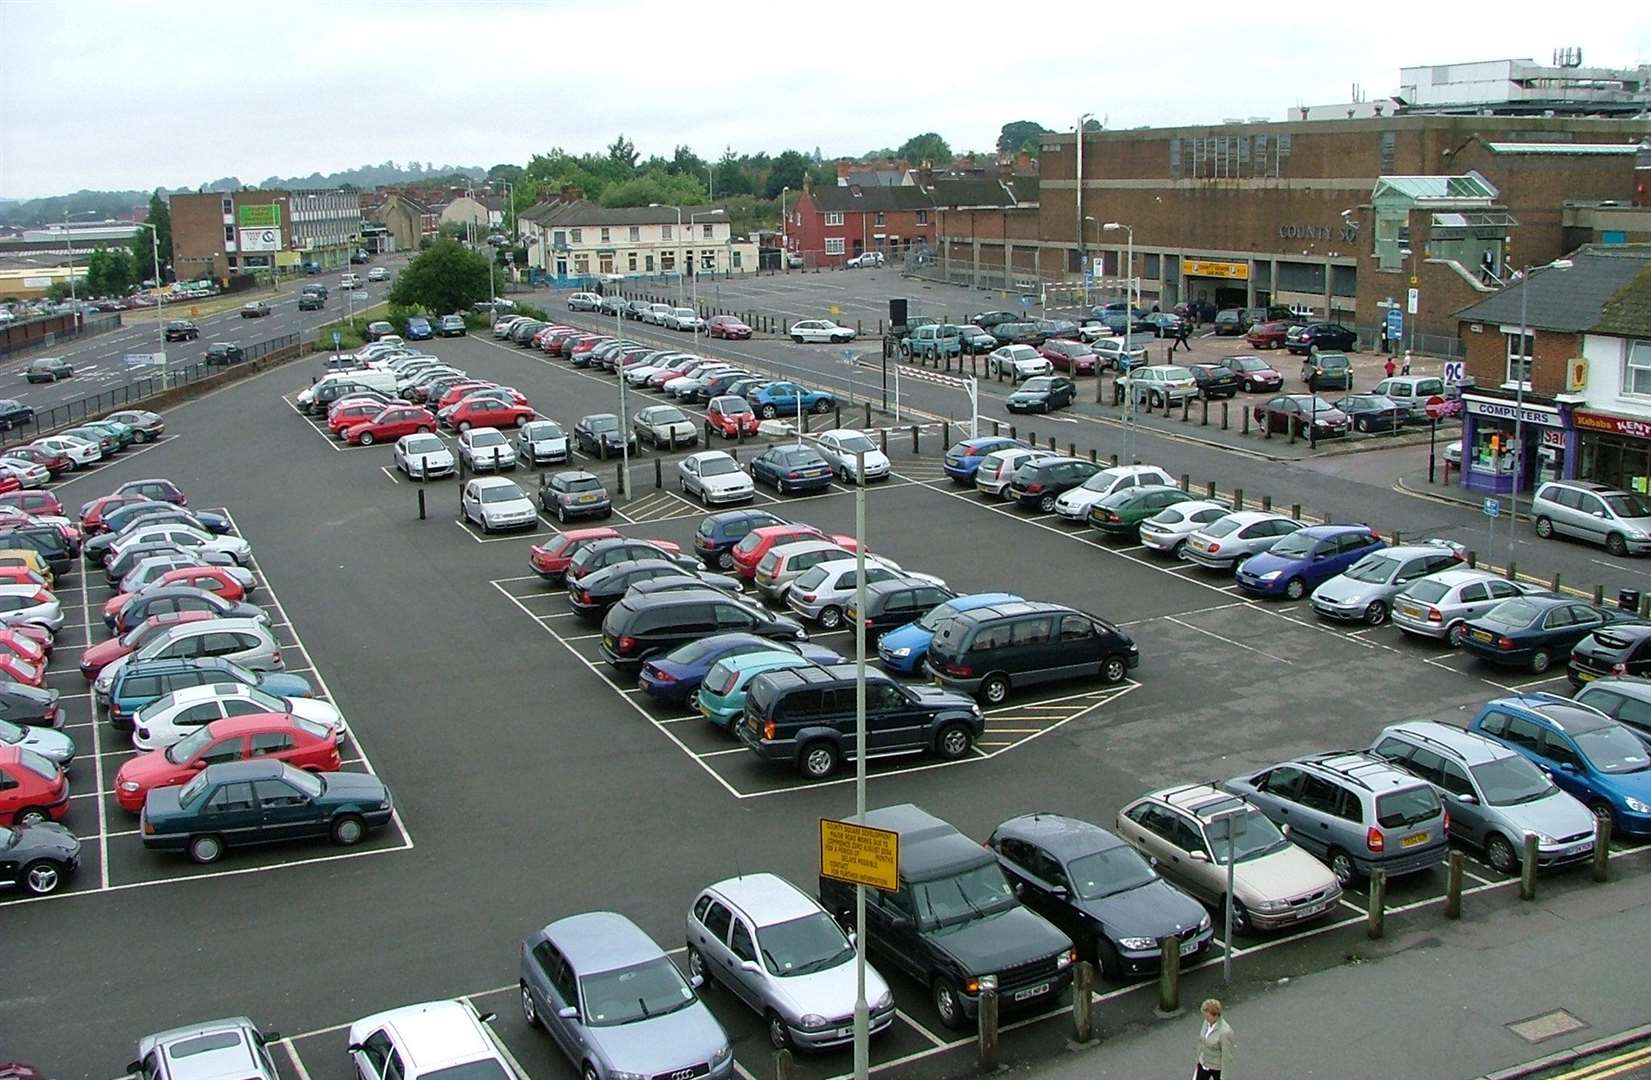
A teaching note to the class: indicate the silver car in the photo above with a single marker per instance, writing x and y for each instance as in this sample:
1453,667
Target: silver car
784,563
183,537
1620,520
1228,541
615,1003
664,425
1440,605
485,449
1019,362
1075,504
1169,528
998,468
843,448
30,604
494,502
715,478
228,1049
1364,592
29,473
542,442
246,642
1495,795
53,745
423,456
820,594
773,947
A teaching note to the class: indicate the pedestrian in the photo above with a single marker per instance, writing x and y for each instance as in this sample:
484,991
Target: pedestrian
1215,1043
1390,367
1181,333
1405,370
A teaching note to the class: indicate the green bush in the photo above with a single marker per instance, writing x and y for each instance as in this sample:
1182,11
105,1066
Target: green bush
531,312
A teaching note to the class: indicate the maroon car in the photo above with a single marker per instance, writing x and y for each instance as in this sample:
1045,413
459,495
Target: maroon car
56,464
1254,374
1267,335
726,326
1072,356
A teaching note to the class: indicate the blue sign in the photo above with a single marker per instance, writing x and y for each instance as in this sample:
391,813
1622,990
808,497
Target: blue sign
1493,508
1395,323
1028,301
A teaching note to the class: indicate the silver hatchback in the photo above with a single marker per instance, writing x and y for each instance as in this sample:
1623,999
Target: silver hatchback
998,468
778,951
1619,520
1228,541
1364,591
228,1049
1169,528
1440,605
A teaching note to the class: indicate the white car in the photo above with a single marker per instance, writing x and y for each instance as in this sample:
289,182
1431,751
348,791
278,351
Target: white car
664,425
494,502
378,273
436,1038
1169,528
842,447
866,259
998,468
502,327
542,442
485,449
178,715
822,592
182,536
79,451
657,313
816,330
1074,504
422,456
31,474
1153,386
584,301
1018,362
695,377
684,318
350,280
715,478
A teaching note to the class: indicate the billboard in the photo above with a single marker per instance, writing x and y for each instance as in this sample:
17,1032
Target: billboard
260,240
259,216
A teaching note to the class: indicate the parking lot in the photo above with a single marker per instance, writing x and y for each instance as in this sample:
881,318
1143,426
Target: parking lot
539,784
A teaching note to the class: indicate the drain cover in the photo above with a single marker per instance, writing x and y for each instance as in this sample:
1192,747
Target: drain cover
1549,1025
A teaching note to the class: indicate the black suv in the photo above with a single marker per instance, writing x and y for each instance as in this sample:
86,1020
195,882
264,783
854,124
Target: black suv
1038,484
989,650
895,603
182,330
955,921
311,301
639,626
804,717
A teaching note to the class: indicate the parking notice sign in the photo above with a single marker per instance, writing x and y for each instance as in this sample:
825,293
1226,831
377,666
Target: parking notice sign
859,854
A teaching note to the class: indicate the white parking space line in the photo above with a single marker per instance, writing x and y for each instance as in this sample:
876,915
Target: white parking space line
920,1029
385,469
97,761
297,1062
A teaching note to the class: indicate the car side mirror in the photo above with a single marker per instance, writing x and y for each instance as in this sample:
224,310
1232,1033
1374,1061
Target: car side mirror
269,1036
568,1012
1284,829
900,922
1020,889
1466,800
1599,514
751,966
135,1067
1198,856
696,981
354,1048
853,938
488,1018
197,764
1058,891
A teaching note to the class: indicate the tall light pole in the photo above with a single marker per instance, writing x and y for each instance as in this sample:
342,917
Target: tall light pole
862,1012
1129,325
1088,218
1078,149
1527,360
69,249
160,297
678,209
695,325
624,422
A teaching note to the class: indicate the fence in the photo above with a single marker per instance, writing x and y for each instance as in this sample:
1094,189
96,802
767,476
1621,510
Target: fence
17,340
133,393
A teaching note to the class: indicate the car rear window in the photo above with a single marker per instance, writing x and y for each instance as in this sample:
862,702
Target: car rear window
201,1044
811,578
1412,806
1427,592
721,678
759,694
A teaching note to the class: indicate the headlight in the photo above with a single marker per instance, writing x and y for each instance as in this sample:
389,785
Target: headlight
1270,905
802,635
901,652
886,1001
129,786
724,1052
812,1021
1204,923
1545,840
1637,807
975,709
1137,943
1066,959
1271,575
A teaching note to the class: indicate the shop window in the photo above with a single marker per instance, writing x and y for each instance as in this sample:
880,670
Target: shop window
1636,375
1484,460
1520,348
1151,269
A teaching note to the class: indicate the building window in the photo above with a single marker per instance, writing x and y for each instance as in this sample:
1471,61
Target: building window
834,217
636,234
581,264
234,263
880,218
667,261
834,245
573,235
632,259
648,264
229,205
665,232
229,234
708,260
1636,378
559,238
1520,350
606,239
705,232
736,259
922,217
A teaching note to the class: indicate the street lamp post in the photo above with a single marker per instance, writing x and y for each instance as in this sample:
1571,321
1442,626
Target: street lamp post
1527,360
160,297
1129,324
785,244
694,326
1077,146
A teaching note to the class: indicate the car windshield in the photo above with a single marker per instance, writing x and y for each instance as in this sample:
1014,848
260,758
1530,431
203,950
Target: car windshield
1376,569
1223,527
803,946
972,893
192,744
1253,837
666,416
1107,873
425,444
718,466
626,995
1512,780
1626,505
501,493
1426,591
855,444
1514,613
1294,546
483,1069
543,429
487,438
733,406
602,423
11,733
1036,385
1176,373
812,578
1611,749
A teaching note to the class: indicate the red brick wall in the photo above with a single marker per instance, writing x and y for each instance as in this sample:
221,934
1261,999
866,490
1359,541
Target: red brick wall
1487,357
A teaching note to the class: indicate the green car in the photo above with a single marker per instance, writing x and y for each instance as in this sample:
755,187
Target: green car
1328,371
722,694
933,340
1120,514
123,434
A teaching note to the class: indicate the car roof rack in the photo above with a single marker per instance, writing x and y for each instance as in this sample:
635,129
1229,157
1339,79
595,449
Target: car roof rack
1442,747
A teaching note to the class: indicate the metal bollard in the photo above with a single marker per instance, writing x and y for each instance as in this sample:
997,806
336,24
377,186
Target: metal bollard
1204,421
868,416
838,422
1083,1001
1094,456
1169,975
1238,498
1114,460
945,433
1453,885
1032,437
1295,511
1186,408
883,436
1209,490
619,474
1051,444
1266,503
1012,434
1513,570
1473,559
659,474
1599,596
988,1027
1398,539
785,1066
1186,483
1602,849
1223,416
421,504
994,429
859,328
1098,381
1245,415
914,440
707,433
1527,869
1378,903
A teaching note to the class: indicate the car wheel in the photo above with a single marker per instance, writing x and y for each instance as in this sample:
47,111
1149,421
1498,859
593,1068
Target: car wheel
1046,504
779,1036
819,760
140,436
1154,400
33,815
530,1011
1453,635
698,967
206,849
562,514
348,830
1361,424
1544,527
769,412
1376,613
994,689
1106,954
366,438
954,742
1616,545
1602,810
948,1004
521,421
1500,854
41,878
1540,659
1113,669
798,338
822,407
1295,590
1342,865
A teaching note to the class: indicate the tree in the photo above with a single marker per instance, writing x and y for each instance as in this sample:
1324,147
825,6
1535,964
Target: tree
925,147
732,178
687,162
509,174
658,186
1014,135
622,152
787,171
1092,124
445,277
143,247
110,272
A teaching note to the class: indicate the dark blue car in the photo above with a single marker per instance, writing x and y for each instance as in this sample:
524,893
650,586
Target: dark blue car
1534,631
790,468
675,677
1586,752
781,399
717,534
964,458
1305,559
419,328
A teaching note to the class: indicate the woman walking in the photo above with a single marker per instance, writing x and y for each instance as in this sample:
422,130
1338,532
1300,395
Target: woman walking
1215,1044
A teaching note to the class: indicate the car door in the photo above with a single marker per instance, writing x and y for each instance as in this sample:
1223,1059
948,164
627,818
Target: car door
891,923
1277,790
690,476
563,994
1590,519
372,1056
895,721
231,812
742,948
284,812
1584,621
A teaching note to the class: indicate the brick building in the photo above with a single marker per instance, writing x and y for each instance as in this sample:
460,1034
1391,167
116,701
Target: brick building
219,234
829,225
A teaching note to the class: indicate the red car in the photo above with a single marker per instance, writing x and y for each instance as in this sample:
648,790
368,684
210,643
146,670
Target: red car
583,346
556,344
758,542
104,653
1267,335
490,414
302,744
550,561
351,414
23,645
1073,356
33,502
56,464
19,670
458,391
389,424
9,483
213,579
674,370
19,574
731,415
726,326
37,634
32,789
91,515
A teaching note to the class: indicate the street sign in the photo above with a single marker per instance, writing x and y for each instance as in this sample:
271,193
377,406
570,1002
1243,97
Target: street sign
1027,301
836,310
860,855
1414,280
336,338
1436,407
1493,508
1395,323
194,312
1415,297
1453,372
133,360
848,356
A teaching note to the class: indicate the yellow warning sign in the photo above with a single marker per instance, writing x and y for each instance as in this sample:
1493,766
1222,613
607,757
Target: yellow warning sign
860,855
835,311
194,312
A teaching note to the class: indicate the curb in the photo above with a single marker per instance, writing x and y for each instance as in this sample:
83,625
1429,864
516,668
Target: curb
1403,488
1573,1055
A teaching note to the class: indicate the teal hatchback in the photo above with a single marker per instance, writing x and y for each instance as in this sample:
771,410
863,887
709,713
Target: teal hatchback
722,694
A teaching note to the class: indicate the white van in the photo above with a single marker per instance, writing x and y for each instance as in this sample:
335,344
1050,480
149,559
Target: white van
326,387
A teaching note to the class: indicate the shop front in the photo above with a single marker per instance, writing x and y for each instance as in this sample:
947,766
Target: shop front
1222,282
1490,430
1615,450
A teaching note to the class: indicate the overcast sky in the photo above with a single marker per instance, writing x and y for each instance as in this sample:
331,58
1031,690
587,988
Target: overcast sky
98,94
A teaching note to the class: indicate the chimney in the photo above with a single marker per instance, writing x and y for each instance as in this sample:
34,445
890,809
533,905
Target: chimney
1006,168
1642,174
572,193
925,174
808,181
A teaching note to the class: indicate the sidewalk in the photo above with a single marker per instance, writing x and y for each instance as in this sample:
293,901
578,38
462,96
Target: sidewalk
1436,1006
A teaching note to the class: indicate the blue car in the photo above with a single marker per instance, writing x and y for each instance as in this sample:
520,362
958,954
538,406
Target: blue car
780,399
1306,559
144,681
717,534
1533,631
963,459
903,648
1586,752
675,677
789,468
419,328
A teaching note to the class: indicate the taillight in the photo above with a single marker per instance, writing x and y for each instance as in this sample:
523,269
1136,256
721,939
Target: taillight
626,643
662,676
1435,615
1034,487
1215,547
1446,821
1374,840
275,657
871,624
1619,669
794,474
1504,643
959,670
41,596
768,729
808,597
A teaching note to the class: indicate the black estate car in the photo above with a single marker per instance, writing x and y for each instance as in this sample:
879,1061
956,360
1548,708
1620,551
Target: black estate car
639,626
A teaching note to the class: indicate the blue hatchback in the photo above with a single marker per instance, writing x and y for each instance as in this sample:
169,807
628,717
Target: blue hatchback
778,399
1586,752
676,676
419,328
903,648
717,534
1306,559
965,457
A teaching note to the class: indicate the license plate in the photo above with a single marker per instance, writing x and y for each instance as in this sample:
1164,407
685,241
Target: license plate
1586,676
1199,545
587,498
1411,610
607,639
1481,635
1031,992
1189,947
704,710
1309,911
1413,840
